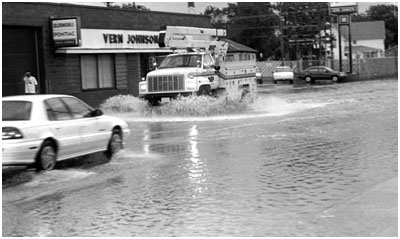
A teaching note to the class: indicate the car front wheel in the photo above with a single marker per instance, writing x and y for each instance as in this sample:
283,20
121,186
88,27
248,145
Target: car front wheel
47,157
335,78
115,144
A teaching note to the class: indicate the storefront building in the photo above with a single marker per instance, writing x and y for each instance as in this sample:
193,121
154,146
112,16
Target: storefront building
90,52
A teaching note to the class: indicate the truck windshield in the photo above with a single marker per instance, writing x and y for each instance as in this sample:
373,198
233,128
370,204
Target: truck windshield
181,61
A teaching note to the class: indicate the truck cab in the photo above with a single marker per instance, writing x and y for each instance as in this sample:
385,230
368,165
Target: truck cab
180,74
201,63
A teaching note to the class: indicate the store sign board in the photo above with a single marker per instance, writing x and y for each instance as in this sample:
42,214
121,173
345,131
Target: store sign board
65,31
339,8
122,39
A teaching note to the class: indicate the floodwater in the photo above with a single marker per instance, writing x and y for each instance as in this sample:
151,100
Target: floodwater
275,171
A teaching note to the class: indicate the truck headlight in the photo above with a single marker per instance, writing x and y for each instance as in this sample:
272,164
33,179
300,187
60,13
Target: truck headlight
143,86
191,84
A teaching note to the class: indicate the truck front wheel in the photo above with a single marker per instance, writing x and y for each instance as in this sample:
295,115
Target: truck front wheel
204,90
154,102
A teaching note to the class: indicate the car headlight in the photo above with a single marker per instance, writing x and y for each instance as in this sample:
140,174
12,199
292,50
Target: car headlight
11,133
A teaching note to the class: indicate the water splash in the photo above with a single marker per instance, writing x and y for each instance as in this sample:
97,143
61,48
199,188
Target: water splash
54,176
202,108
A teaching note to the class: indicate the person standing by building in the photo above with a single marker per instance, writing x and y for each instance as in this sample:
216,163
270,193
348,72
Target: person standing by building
30,83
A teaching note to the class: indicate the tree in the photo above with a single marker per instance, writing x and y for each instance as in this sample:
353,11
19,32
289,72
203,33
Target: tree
218,18
253,24
386,13
260,25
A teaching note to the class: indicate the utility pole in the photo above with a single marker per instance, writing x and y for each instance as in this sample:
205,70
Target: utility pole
343,12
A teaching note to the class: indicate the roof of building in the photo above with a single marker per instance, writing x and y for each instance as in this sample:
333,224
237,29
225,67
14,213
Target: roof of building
237,47
366,31
361,49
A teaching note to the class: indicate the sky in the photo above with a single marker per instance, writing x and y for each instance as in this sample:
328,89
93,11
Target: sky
182,7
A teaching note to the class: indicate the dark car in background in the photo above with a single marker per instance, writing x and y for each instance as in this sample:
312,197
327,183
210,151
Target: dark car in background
313,73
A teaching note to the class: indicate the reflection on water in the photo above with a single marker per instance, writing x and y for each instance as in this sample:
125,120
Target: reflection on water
264,176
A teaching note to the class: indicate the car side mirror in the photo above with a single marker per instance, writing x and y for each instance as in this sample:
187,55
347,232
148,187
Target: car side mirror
217,68
96,112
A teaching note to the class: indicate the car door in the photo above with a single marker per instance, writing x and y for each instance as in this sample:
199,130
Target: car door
313,72
209,71
324,73
64,127
94,134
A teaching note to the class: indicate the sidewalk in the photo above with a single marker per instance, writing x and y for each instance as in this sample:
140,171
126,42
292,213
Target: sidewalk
371,214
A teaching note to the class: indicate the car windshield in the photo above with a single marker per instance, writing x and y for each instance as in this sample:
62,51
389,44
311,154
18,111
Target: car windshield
16,110
181,61
283,69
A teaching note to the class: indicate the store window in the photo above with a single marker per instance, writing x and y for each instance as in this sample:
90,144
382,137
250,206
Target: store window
98,71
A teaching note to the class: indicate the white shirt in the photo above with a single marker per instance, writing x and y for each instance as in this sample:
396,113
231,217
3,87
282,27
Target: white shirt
30,84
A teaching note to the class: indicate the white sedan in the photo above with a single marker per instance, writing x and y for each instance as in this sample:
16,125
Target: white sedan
283,73
44,129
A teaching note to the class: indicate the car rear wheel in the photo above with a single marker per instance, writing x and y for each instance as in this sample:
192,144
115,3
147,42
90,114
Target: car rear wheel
335,78
115,144
308,79
47,157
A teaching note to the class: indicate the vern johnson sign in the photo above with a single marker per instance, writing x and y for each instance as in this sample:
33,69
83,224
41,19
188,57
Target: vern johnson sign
105,39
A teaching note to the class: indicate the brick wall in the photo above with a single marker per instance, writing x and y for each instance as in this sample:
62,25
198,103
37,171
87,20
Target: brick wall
121,71
61,72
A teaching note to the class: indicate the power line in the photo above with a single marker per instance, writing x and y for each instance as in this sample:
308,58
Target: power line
246,28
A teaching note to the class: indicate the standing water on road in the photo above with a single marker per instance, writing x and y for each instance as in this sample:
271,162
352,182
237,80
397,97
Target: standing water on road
281,166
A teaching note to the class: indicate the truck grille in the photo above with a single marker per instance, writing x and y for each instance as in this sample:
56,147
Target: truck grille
165,83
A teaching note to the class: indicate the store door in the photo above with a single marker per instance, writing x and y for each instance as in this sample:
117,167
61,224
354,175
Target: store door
20,54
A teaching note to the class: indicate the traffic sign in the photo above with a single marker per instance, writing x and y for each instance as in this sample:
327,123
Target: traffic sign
340,8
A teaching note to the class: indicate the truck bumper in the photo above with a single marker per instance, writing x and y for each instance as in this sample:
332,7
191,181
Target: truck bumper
158,97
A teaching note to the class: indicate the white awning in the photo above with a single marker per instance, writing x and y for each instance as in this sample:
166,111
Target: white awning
100,41
77,50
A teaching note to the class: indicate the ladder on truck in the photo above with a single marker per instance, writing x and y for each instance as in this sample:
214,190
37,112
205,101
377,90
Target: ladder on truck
193,38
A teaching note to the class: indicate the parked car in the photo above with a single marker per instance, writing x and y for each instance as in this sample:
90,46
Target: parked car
258,75
44,129
313,73
283,73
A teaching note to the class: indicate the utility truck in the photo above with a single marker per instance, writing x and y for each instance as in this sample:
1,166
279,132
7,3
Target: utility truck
203,62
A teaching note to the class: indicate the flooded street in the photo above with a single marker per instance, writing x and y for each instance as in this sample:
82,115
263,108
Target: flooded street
286,168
